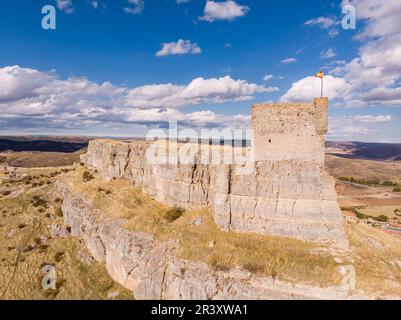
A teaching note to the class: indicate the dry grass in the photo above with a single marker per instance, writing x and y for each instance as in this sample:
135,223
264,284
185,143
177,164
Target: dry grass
364,169
282,258
375,255
29,159
26,246
377,259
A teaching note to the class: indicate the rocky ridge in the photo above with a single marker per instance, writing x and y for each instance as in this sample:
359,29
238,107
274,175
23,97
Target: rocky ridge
151,269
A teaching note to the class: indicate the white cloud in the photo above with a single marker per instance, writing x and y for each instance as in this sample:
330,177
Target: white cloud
199,90
289,60
19,83
383,16
309,88
373,77
268,77
98,4
66,6
179,47
135,6
226,10
325,23
372,119
357,127
322,22
33,99
333,33
383,94
374,73
37,101
182,1
327,54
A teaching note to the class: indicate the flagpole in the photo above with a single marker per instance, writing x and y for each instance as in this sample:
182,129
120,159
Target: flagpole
321,91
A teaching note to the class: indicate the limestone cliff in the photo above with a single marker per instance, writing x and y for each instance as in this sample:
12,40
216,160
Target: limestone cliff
284,192
152,270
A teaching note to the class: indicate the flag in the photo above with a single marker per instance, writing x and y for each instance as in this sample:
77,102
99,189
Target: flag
320,74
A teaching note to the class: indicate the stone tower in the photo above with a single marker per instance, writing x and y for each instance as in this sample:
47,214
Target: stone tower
293,131
290,193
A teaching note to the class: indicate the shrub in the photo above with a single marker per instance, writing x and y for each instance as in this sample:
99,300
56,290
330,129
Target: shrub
173,214
6,193
87,176
381,218
364,182
39,202
220,263
361,215
138,201
397,189
254,267
59,256
104,190
58,212
388,183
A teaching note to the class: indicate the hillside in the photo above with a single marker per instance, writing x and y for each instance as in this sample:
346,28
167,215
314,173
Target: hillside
365,151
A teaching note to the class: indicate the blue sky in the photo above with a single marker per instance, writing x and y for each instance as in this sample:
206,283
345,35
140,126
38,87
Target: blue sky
121,67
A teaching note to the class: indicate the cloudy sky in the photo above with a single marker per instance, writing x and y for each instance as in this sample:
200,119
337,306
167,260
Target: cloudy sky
121,67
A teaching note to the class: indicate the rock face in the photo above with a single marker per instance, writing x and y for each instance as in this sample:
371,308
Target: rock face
284,192
151,269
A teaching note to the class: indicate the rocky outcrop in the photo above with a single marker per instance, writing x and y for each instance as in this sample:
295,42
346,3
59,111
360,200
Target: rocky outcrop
277,197
284,190
151,269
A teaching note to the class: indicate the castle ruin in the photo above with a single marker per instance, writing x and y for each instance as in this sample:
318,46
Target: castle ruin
288,193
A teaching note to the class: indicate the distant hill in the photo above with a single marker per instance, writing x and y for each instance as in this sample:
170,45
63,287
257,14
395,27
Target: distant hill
19,144
365,151
348,150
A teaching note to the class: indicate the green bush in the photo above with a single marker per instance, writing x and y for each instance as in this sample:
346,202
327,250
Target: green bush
397,189
361,215
58,211
381,218
364,182
388,183
87,176
39,202
6,193
173,214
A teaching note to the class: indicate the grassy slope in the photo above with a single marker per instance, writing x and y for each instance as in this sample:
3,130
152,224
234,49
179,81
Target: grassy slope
363,169
284,258
375,255
26,246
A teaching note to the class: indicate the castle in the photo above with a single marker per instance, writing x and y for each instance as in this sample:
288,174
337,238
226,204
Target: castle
287,192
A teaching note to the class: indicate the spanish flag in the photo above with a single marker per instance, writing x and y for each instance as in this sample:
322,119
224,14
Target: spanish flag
320,74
